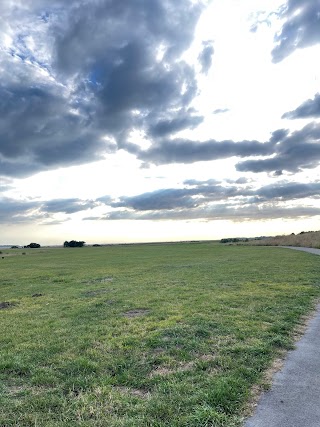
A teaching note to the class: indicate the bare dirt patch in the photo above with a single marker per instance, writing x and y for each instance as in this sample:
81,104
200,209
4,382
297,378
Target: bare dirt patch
136,312
143,394
207,357
110,301
101,280
159,350
6,304
96,292
14,390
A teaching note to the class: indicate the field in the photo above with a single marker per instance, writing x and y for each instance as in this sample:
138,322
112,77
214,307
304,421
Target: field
145,335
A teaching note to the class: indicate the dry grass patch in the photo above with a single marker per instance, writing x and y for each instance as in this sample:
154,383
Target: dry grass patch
207,357
164,371
143,394
96,292
310,239
136,312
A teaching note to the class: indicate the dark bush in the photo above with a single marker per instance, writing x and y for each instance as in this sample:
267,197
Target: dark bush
33,245
73,244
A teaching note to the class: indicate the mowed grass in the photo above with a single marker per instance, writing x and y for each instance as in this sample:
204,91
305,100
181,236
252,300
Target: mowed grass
145,335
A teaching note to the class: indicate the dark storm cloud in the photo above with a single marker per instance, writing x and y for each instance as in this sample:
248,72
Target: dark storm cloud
205,57
128,54
187,151
294,152
80,70
80,76
308,109
38,131
301,27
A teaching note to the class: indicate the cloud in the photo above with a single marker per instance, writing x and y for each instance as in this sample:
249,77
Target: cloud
261,18
40,128
241,180
292,153
106,200
79,74
289,191
170,125
158,200
188,151
308,109
301,28
12,211
5,184
54,222
79,77
219,212
209,200
283,152
195,182
174,198
205,56
67,206
221,110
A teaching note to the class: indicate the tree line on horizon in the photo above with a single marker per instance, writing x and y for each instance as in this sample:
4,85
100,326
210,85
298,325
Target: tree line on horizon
73,244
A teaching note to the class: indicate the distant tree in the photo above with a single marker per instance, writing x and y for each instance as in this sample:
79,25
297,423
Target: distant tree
74,244
33,245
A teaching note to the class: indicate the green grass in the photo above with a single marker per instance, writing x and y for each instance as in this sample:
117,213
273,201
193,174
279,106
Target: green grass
145,335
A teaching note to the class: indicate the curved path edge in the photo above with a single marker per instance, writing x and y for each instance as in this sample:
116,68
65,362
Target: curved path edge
294,397
300,248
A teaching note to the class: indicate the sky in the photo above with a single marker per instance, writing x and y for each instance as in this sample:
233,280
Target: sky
158,120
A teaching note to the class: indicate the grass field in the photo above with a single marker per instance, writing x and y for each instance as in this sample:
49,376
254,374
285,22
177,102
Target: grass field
145,335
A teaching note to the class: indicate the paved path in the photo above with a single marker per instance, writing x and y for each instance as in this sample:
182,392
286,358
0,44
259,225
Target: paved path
294,398
297,248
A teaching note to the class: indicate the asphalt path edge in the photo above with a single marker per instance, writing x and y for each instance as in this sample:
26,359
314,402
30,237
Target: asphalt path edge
294,397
